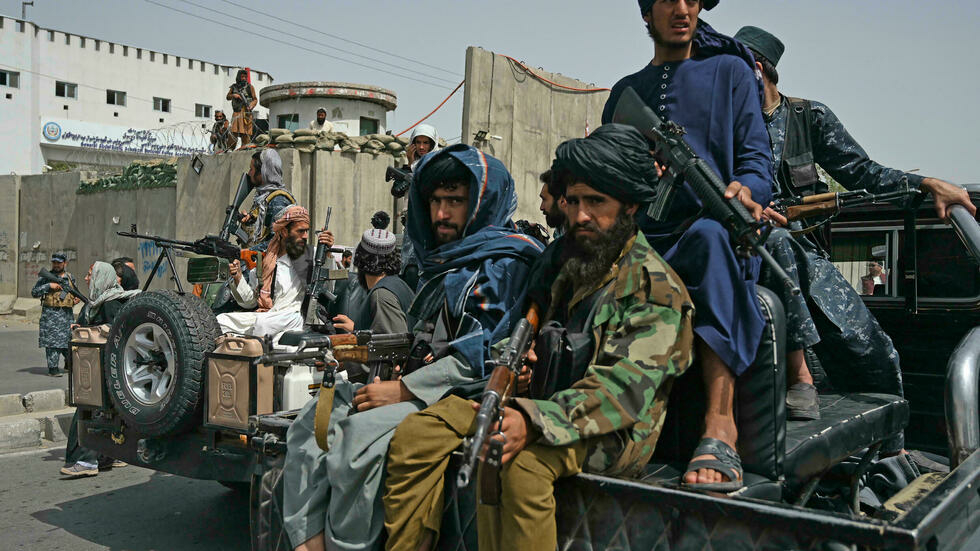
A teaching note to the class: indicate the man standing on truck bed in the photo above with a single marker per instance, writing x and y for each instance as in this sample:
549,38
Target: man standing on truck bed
54,328
704,81
857,354
474,270
604,284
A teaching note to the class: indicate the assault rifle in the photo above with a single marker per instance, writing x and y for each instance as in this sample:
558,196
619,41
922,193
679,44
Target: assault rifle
402,180
233,218
67,285
209,245
500,388
794,208
315,289
681,165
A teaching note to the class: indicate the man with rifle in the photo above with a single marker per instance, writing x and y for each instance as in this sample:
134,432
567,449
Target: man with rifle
286,268
271,197
704,82
58,296
243,100
857,354
626,316
473,277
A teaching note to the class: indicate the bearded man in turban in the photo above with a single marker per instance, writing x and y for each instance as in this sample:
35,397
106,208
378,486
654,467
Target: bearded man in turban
286,268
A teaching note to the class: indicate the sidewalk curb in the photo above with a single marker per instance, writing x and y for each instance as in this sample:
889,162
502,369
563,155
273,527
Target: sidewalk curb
30,430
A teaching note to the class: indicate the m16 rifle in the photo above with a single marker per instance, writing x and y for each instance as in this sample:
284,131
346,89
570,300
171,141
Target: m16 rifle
68,286
316,288
201,266
681,165
401,178
233,218
500,388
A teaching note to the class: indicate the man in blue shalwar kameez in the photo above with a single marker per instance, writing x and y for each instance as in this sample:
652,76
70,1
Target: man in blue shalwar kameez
704,81
473,275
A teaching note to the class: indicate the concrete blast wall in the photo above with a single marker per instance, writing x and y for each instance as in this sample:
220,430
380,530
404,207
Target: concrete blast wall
531,118
9,214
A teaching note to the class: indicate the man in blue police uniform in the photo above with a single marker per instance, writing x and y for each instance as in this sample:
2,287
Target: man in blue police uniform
54,328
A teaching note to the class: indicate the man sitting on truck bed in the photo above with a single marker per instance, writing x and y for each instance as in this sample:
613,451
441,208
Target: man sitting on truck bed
604,284
474,269
857,354
285,274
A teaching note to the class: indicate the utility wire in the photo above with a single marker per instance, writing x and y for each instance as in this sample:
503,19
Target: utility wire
331,46
298,46
361,44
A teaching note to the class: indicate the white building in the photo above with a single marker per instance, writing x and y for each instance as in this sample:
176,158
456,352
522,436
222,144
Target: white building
67,97
355,109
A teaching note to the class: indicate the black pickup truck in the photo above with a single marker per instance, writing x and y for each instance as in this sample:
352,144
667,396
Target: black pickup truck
803,479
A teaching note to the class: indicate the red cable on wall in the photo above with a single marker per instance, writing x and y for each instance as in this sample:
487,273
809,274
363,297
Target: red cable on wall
451,94
555,84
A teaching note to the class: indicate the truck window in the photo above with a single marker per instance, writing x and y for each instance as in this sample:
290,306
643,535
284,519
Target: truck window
865,259
944,268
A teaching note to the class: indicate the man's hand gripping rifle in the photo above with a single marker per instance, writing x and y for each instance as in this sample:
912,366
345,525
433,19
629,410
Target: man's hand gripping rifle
318,278
67,285
500,388
682,165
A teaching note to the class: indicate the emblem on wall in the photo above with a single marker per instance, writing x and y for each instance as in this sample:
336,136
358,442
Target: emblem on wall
51,131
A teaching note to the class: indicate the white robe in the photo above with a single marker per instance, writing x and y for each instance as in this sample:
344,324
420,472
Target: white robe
285,315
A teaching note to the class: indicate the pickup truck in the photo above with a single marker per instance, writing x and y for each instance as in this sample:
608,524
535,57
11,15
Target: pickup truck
803,479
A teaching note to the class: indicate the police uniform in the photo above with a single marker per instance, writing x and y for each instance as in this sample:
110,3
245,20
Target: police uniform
54,328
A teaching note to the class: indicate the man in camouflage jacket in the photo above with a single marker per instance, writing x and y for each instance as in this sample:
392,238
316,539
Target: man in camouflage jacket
54,328
601,280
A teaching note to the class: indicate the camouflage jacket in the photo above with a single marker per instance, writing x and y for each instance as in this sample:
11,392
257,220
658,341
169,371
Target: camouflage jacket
836,151
643,330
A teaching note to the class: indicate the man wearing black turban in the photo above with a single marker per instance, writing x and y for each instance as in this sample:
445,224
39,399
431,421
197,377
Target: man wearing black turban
705,82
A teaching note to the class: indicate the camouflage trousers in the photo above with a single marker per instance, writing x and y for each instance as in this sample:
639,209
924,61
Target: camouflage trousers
417,460
52,356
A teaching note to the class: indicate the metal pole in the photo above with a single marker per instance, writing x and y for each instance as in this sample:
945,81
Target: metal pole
23,9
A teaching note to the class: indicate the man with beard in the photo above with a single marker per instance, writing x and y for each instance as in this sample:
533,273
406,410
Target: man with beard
857,354
54,327
604,284
321,124
705,82
221,136
270,197
551,204
285,274
243,99
474,270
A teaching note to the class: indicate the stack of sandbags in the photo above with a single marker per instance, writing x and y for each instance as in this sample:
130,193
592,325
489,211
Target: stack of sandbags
305,140
139,174
261,140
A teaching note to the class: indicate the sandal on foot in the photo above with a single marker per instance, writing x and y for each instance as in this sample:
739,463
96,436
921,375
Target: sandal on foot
727,463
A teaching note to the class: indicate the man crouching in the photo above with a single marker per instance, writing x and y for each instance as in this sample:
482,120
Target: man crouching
608,288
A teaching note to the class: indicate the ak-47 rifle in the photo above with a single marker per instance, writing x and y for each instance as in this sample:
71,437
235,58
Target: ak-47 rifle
233,218
402,179
829,204
681,165
500,388
360,346
67,285
315,289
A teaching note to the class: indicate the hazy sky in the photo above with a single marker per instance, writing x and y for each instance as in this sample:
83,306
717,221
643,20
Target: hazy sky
902,75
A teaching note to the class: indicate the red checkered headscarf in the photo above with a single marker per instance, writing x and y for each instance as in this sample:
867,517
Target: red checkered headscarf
277,248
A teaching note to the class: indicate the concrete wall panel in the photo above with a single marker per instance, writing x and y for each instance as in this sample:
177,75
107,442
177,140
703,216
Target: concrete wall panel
531,118
47,206
10,189
354,185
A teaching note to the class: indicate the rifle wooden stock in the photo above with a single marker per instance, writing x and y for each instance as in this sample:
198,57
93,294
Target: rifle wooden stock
810,208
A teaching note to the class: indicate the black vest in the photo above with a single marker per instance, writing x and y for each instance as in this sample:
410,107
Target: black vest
797,171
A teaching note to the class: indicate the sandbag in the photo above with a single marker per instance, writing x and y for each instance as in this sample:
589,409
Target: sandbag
284,139
304,139
304,132
276,132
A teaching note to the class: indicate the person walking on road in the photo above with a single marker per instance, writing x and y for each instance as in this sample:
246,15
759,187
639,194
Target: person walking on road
54,329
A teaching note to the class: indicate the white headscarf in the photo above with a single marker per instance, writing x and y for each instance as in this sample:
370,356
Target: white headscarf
428,131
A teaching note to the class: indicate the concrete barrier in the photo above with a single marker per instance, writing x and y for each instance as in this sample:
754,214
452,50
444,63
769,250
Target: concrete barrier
44,400
17,433
11,404
55,427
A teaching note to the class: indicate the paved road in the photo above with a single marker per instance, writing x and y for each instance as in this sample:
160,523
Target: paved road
130,508
22,365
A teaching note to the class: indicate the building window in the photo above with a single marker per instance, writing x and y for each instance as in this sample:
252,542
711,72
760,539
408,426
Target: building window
81,41
10,79
112,48
164,59
67,39
202,111
289,122
20,26
202,66
50,36
260,77
190,64
161,104
66,90
215,69
177,60
125,51
139,53
115,97
369,126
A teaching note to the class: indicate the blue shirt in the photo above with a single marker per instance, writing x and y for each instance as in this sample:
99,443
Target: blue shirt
716,100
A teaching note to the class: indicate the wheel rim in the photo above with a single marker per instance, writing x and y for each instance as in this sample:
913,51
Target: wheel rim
149,365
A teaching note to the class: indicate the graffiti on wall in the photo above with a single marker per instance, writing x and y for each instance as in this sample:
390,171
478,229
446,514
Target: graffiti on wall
148,253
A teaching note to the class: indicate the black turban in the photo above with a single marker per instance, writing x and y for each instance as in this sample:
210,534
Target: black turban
615,160
645,5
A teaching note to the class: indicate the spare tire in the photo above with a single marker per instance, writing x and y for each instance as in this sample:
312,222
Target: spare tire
155,361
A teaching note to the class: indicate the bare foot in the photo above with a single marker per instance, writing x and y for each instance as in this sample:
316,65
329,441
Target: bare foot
721,429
